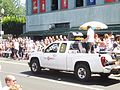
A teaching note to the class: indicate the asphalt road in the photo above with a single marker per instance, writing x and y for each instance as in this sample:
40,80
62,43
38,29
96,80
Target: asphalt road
50,80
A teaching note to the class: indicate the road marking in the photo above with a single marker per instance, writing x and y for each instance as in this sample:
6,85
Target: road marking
54,81
14,63
72,84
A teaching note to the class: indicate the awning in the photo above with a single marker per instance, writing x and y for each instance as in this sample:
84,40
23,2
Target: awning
115,29
34,33
57,31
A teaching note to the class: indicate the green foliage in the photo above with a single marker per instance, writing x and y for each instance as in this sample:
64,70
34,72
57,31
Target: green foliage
16,19
13,18
13,25
11,9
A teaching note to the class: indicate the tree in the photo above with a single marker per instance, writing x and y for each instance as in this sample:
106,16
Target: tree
12,9
1,7
0,4
13,25
14,17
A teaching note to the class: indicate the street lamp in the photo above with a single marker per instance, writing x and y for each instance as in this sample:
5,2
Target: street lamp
1,32
2,11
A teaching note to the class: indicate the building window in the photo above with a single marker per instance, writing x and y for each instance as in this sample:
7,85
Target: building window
62,25
54,5
79,3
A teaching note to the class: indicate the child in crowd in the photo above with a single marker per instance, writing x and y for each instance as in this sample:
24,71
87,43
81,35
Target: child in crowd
10,81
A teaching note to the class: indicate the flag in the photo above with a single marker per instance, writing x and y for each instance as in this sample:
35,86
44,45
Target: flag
42,5
34,6
91,2
110,1
64,4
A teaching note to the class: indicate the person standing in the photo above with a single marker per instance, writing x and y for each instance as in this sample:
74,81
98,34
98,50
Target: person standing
16,49
89,40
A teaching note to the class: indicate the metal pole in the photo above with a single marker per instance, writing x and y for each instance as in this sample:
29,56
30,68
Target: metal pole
1,32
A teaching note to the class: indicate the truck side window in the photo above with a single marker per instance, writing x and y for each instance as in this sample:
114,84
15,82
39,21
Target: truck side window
63,47
74,46
52,48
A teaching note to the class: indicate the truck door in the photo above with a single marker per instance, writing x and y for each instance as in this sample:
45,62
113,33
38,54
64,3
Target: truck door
49,57
60,61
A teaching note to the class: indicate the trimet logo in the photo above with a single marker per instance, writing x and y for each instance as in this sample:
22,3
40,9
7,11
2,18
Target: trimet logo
91,0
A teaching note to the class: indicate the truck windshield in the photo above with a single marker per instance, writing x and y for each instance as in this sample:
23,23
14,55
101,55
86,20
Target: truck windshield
53,48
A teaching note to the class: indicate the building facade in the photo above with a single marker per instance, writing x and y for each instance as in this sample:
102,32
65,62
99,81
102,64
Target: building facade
43,15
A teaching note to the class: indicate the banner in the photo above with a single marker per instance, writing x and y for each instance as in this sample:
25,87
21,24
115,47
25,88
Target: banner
34,6
64,4
42,5
91,2
110,1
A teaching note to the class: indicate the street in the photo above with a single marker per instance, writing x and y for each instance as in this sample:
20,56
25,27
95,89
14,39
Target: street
51,80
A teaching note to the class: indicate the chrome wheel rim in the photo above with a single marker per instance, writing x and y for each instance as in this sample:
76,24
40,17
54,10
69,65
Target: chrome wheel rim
81,73
34,67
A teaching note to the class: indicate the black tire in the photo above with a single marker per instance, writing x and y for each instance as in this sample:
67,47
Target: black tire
35,66
104,75
82,72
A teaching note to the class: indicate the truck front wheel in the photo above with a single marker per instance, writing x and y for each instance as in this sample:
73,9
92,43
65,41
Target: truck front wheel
35,66
82,72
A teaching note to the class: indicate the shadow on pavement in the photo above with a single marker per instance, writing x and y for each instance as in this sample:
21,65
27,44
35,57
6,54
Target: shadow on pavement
70,77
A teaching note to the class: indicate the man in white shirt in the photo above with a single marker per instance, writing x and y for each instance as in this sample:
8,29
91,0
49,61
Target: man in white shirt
89,40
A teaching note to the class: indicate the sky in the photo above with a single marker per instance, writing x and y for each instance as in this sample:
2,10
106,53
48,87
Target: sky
22,2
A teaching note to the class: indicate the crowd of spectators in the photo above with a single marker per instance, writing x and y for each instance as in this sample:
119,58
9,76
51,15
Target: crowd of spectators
108,42
18,48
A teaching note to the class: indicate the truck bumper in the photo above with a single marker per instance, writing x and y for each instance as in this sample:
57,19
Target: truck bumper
112,69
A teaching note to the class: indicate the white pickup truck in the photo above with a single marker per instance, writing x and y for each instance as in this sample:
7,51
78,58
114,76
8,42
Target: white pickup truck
71,56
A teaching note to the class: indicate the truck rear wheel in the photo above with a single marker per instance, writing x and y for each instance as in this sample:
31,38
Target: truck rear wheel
35,66
82,72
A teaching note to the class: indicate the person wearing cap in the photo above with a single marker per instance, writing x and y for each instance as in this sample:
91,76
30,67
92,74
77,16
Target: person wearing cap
10,80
